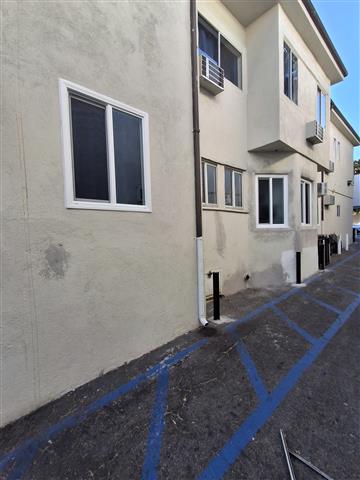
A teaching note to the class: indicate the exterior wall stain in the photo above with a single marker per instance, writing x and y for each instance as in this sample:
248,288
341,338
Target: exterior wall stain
56,258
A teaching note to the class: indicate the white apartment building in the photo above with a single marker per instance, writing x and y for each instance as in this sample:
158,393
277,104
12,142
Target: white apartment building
267,132
103,230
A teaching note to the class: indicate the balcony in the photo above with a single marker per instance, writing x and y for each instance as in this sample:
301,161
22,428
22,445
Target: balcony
211,75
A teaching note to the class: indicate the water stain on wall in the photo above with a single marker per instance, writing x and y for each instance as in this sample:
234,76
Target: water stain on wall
56,262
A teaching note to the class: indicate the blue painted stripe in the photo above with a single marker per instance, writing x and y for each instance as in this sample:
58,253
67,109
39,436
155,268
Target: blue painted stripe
75,419
311,298
23,462
254,377
294,326
222,462
347,290
152,457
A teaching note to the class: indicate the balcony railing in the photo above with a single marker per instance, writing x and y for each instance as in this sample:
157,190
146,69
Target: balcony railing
211,75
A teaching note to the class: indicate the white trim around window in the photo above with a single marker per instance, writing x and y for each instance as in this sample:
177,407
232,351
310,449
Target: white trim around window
68,89
306,202
271,204
209,197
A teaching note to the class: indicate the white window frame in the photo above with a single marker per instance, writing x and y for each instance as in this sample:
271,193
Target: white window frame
205,183
291,95
286,201
66,88
320,103
233,173
303,203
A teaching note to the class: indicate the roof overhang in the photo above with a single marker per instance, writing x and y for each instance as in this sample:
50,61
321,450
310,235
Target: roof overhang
340,122
306,21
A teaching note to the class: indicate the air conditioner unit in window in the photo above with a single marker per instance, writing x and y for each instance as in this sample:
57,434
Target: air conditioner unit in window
314,132
331,166
322,189
211,75
329,200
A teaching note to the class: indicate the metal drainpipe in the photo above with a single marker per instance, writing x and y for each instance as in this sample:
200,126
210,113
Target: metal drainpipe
197,168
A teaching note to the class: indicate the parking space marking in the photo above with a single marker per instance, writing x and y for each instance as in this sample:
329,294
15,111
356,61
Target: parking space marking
326,305
227,456
294,326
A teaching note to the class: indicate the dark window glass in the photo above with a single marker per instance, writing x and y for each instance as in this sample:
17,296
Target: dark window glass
286,70
264,200
323,110
228,186
318,106
238,189
307,203
230,63
278,200
302,201
203,181
208,40
338,210
211,183
89,150
128,158
294,78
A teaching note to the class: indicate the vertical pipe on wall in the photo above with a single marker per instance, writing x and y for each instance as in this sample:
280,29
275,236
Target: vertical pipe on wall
347,242
339,245
298,267
197,168
216,295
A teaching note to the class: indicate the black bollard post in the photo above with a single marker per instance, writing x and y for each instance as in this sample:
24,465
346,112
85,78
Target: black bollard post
322,254
298,267
216,295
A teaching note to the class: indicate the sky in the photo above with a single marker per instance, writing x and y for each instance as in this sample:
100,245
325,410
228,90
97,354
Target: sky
341,19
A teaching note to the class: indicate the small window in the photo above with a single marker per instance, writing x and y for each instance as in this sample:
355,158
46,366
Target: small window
338,210
208,40
230,61
290,74
106,152
209,183
272,200
305,202
321,107
233,188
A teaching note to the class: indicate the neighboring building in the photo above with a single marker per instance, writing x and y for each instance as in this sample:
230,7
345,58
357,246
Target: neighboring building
94,282
266,132
337,205
102,251
356,201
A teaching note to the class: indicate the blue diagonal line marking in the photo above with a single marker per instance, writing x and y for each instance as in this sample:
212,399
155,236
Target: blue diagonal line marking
251,369
347,290
222,462
321,303
152,457
101,402
294,326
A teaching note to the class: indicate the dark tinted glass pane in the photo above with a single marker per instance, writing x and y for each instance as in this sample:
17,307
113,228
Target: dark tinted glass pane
286,70
318,106
307,202
323,110
128,159
238,189
211,183
228,186
229,62
89,151
278,200
294,78
208,40
264,200
203,181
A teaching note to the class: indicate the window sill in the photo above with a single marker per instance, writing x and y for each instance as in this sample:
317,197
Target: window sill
274,228
225,209
107,206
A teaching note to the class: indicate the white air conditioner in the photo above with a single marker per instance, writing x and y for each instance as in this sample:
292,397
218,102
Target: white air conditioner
211,75
329,200
314,132
322,189
331,166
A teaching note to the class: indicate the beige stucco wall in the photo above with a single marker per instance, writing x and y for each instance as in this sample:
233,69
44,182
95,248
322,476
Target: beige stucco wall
86,291
338,186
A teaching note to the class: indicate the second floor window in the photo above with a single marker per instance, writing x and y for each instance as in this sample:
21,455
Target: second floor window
213,45
209,191
272,200
233,188
290,74
321,107
305,200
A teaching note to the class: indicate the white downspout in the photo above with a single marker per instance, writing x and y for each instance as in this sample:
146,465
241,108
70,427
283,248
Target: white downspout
200,282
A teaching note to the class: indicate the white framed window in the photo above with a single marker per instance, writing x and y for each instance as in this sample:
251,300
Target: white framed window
336,150
209,180
213,45
321,107
271,201
106,151
305,202
233,187
290,74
